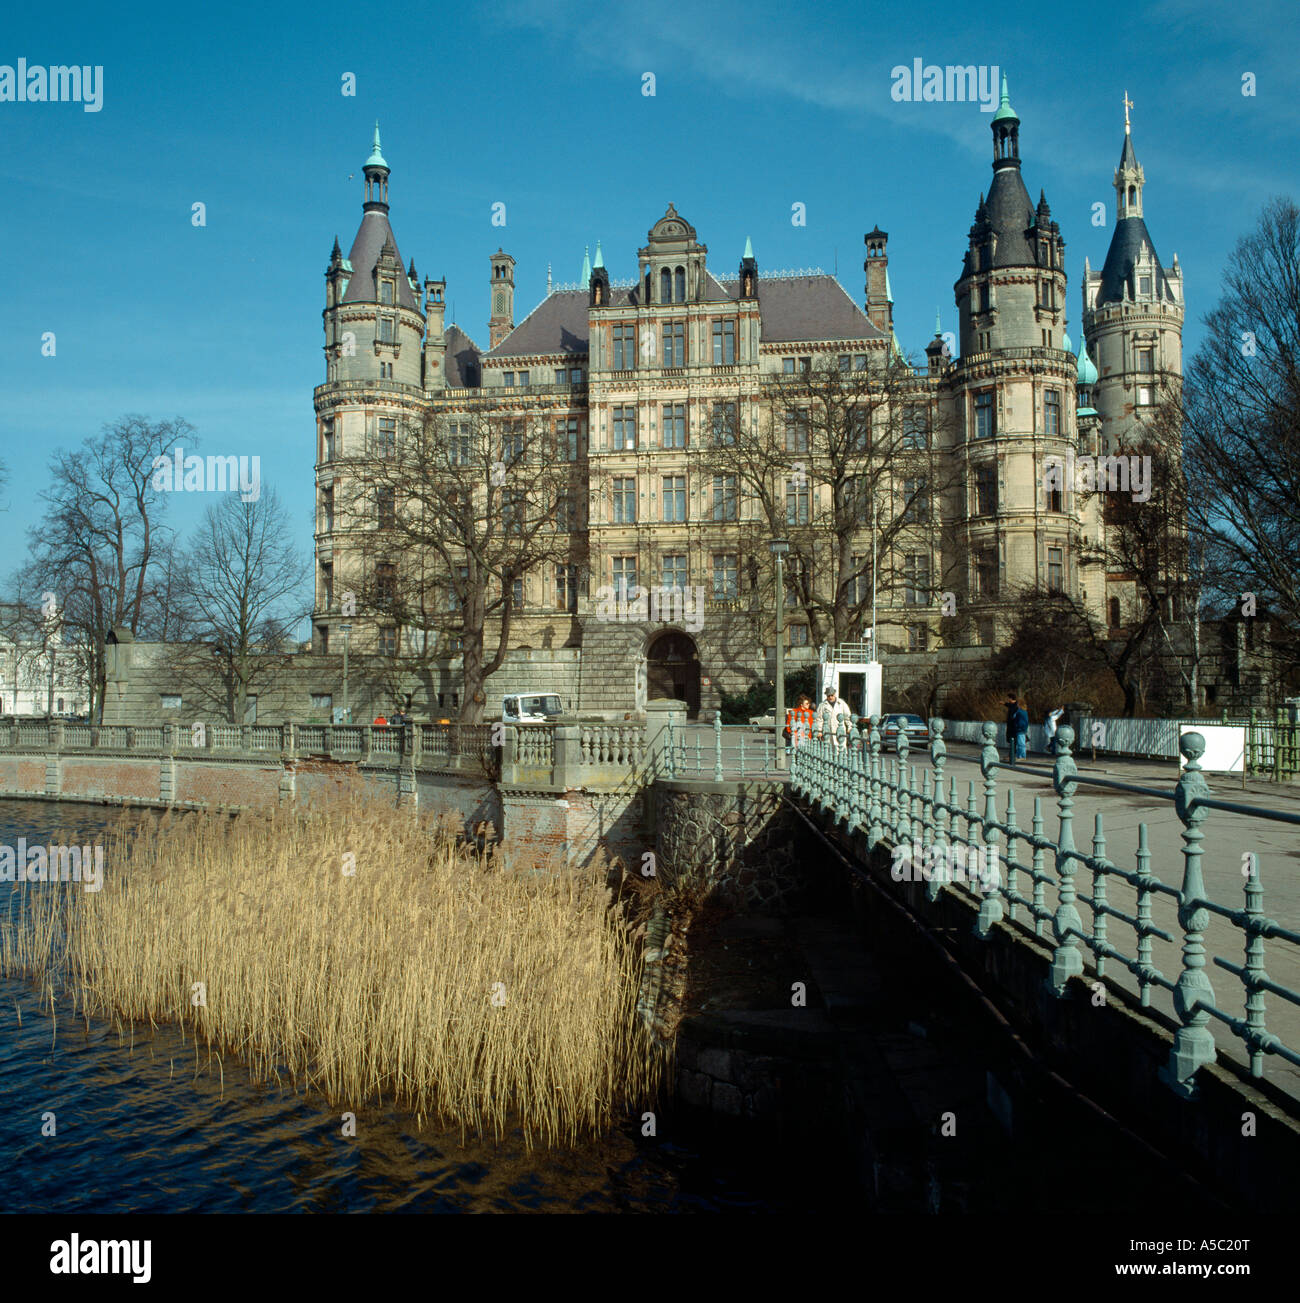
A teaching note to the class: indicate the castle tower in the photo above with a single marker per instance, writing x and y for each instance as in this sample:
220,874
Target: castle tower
502,320
1014,390
1132,312
374,334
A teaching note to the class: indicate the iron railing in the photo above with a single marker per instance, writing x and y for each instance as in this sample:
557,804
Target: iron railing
879,796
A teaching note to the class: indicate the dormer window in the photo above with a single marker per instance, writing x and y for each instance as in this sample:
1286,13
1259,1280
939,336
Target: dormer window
385,291
1144,284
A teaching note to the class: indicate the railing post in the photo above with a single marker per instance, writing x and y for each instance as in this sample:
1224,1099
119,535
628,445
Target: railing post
1194,1041
717,746
1099,894
938,758
874,830
1145,971
1067,962
903,826
1254,975
990,878
1037,861
1013,830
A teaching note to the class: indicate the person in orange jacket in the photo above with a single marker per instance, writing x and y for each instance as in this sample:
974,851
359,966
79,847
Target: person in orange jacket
799,721
380,721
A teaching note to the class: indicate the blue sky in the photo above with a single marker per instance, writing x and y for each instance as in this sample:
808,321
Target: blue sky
540,106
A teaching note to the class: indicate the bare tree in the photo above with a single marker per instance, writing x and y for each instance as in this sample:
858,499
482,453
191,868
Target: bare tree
98,543
839,458
243,587
442,521
1241,416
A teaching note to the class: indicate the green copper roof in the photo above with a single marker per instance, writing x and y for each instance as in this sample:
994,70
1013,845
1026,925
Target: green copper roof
600,257
1065,341
938,328
376,159
749,249
1087,372
586,265
1005,111
889,294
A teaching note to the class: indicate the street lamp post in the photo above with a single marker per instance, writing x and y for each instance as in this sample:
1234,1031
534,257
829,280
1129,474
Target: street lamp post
346,630
779,548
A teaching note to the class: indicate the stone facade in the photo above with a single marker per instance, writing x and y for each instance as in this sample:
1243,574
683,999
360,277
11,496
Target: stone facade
634,378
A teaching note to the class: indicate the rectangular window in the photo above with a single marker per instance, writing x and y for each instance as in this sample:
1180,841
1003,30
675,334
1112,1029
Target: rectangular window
566,588
674,499
674,343
798,502
387,640
1145,396
169,700
385,330
513,511
575,375
455,600
322,701
673,574
724,575
860,581
724,424
859,430
985,424
625,500
624,348
458,445
385,583
1055,569
562,377
624,575
1055,499
512,443
1144,284
916,579
846,361
517,593
327,439
1146,362
798,635
787,365
508,379
916,428
566,438
624,429
327,583
386,508
916,501
522,377
986,491
1052,411
796,431
724,497
918,637
859,361
674,425
724,343
387,443
857,499
986,572
385,291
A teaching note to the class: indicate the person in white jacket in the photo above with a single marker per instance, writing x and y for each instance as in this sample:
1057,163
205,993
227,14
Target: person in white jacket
833,718
1049,729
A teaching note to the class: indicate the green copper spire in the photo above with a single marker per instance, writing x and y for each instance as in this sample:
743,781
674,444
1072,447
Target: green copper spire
1087,372
586,265
600,258
1005,111
376,159
749,249
938,329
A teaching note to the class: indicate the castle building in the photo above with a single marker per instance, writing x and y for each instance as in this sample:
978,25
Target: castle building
640,379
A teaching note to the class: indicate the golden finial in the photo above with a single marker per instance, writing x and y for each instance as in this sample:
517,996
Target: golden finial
1128,104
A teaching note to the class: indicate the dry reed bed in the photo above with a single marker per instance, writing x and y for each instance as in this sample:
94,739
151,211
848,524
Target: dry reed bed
431,977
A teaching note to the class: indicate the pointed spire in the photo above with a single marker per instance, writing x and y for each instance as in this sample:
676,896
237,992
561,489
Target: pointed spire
411,273
336,253
600,257
586,265
548,280
938,328
749,248
1005,111
376,158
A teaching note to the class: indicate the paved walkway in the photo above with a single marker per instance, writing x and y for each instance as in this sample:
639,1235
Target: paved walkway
1228,836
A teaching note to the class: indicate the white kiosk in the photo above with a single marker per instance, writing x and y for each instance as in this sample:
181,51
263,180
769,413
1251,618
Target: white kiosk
852,670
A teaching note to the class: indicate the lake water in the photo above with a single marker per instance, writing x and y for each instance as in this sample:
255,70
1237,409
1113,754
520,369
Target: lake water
142,1128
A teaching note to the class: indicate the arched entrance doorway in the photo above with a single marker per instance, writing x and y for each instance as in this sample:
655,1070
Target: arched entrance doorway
673,670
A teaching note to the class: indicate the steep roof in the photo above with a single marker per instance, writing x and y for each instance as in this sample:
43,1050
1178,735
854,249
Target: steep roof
462,359
1125,246
793,308
372,235
1010,212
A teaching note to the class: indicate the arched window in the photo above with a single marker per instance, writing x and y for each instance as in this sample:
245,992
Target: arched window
1132,196
681,284
665,286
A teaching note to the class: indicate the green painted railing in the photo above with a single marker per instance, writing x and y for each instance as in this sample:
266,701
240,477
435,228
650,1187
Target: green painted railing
880,797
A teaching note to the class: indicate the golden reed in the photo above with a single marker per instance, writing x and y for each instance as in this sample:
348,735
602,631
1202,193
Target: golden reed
358,950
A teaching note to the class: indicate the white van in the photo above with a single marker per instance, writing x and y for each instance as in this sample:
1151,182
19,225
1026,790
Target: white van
531,708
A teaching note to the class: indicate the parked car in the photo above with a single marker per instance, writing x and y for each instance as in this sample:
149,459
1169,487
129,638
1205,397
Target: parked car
761,723
531,708
914,726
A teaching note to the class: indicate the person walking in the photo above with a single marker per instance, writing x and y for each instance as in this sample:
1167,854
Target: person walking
833,717
1049,729
799,721
1017,729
